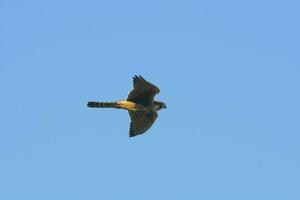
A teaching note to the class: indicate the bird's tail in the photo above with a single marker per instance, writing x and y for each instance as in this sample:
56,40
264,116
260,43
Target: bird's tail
93,104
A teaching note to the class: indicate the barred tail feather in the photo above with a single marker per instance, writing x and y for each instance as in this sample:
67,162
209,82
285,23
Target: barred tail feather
93,104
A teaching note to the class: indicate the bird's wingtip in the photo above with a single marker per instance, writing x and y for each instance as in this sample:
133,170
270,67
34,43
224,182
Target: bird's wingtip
138,76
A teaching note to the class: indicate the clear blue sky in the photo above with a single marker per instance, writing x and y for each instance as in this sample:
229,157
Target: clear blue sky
228,72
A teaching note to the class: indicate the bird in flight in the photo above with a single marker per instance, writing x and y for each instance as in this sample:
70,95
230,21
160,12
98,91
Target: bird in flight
140,103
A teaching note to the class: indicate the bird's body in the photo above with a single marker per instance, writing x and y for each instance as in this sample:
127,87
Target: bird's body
126,105
140,105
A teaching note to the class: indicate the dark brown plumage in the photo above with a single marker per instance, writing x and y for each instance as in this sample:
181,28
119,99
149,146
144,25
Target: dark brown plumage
140,103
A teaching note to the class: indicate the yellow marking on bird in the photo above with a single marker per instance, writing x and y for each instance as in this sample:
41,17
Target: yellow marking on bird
128,105
156,107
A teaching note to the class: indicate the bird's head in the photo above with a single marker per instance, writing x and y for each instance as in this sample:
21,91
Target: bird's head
160,104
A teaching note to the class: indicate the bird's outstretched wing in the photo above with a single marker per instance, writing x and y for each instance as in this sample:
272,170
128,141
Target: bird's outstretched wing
143,92
141,121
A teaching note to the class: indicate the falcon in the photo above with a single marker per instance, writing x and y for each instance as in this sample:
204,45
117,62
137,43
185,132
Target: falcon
140,104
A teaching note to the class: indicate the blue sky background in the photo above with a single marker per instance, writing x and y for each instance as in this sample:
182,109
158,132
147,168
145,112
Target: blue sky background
228,72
